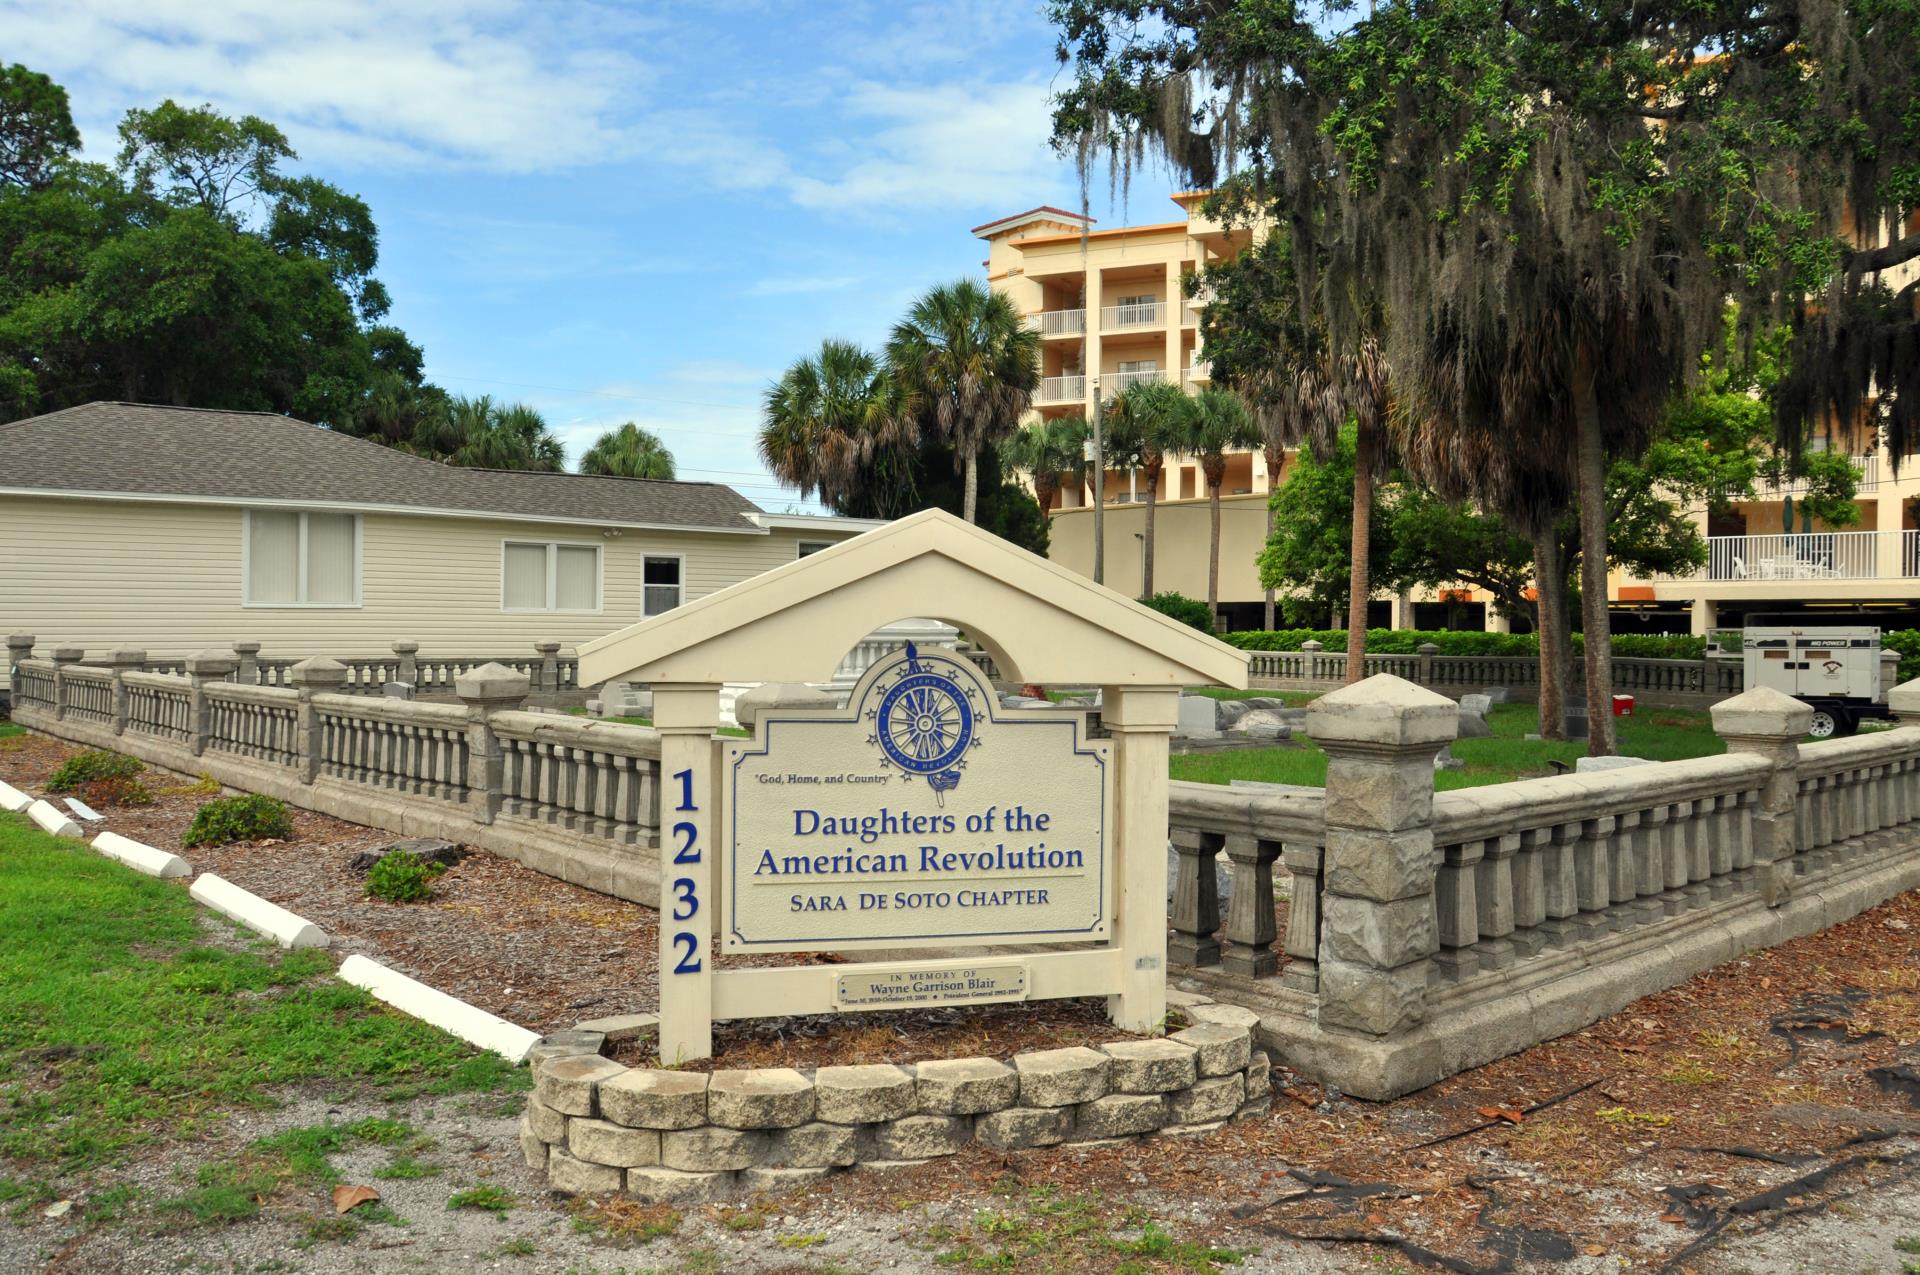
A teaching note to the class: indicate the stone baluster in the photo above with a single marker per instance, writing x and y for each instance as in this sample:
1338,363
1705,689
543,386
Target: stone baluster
19,647
1378,933
1493,901
204,668
64,657
247,671
1196,898
1530,891
486,690
314,675
1561,895
1593,878
1311,649
408,668
1458,909
549,679
1250,928
1303,863
1769,723
1720,835
1426,651
121,661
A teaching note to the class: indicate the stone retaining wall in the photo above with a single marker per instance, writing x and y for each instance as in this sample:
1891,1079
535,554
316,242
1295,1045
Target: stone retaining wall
596,1127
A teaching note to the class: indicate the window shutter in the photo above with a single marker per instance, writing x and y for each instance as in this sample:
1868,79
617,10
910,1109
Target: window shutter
523,584
330,559
578,578
273,557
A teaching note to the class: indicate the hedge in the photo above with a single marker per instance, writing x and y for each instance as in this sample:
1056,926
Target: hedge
1638,646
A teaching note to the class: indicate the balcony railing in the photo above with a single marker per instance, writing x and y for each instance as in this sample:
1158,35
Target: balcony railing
1810,557
1058,322
1061,389
1199,372
1190,312
1112,383
1139,315
1867,468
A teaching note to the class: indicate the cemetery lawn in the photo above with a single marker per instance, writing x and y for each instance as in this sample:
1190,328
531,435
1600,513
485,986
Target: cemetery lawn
135,1017
1659,734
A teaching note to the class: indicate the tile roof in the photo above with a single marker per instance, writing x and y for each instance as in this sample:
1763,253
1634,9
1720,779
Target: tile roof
145,450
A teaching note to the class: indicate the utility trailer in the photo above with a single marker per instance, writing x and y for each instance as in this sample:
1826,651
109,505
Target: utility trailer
1834,668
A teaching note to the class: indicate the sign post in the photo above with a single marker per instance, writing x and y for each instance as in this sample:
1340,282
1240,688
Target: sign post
1142,722
686,717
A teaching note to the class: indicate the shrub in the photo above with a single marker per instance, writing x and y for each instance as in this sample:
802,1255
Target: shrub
1644,646
230,819
115,790
93,764
1907,642
402,877
1178,606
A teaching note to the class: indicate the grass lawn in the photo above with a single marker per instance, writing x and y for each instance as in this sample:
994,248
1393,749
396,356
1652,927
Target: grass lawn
127,1026
8,730
1660,734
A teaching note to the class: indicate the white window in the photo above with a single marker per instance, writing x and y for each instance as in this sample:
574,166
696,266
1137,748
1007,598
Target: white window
1139,365
1143,308
296,559
537,576
661,585
810,547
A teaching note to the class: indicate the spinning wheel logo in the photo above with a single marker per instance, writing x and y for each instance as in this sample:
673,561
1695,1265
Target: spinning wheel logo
924,723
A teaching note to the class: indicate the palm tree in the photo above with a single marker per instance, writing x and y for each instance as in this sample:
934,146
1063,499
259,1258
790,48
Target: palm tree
628,452
838,425
1049,450
481,434
969,364
1211,424
1142,422
1360,391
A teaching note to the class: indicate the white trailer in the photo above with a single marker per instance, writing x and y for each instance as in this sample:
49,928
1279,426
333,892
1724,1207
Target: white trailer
1835,668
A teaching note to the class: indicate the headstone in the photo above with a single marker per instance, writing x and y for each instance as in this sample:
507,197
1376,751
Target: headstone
1473,726
1575,716
1262,723
1199,717
1232,710
1478,705
747,709
1445,760
1586,765
1496,694
398,690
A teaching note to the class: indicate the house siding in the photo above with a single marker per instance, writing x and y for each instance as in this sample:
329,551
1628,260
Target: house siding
166,578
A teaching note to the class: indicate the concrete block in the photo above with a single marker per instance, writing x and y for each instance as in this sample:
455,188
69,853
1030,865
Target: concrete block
1218,1048
54,820
1119,1115
919,1137
642,1098
766,1181
280,925
618,1028
141,857
816,1145
774,696
549,1125
1383,709
710,1149
12,799
564,1044
533,1149
1259,1075
1150,1066
450,1015
1380,934
601,1142
573,1176
1761,711
1061,1077
1364,999
1018,1128
1229,1015
863,1094
568,1085
672,1186
764,1098
965,1086
1215,1098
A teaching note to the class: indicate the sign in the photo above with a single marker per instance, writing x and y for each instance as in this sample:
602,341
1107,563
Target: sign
922,814
931,985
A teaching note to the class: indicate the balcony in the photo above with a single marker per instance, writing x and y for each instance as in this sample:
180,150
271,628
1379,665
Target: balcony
1144,314
1061,389
1058,322
1867,467
1199,372
1112,383
1190,312
1809,557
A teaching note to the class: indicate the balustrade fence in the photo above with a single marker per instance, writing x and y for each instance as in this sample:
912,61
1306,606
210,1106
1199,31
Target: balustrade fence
1417,934
576,798
547,670
1709,677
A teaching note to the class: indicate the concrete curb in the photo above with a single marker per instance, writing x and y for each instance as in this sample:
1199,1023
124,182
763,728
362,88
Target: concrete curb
141,857
254,912
12,799
409,996
52,819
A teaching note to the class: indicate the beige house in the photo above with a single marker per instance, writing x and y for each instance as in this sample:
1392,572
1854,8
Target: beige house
177,529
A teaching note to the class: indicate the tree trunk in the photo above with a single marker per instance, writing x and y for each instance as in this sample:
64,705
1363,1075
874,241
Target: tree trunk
1358,582
971,482
1146,543
1213,553
1273,471
1592,458
1549,583
1044,490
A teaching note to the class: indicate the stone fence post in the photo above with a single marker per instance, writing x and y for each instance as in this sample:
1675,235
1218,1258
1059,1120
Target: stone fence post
1426,651
121,661
19,647
62,657
408,670
248,668
1311,648
1377,929
548,682
312,676
204,668
1904,700
1769,723
486,690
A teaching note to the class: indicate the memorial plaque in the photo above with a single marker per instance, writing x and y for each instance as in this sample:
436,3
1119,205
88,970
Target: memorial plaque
960,983
922,814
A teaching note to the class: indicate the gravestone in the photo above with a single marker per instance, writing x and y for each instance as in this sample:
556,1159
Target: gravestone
398,690
1199,718
1576,716
1473,726
1478,705
1496,694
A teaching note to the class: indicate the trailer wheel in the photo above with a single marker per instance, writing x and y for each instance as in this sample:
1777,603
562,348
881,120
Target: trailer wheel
1829,721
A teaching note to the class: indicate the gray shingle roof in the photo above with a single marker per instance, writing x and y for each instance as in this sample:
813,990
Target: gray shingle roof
199,452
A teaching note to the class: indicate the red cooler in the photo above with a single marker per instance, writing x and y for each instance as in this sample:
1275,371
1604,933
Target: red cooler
1623,706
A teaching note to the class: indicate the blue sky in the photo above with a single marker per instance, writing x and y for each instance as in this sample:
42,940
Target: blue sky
622,212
